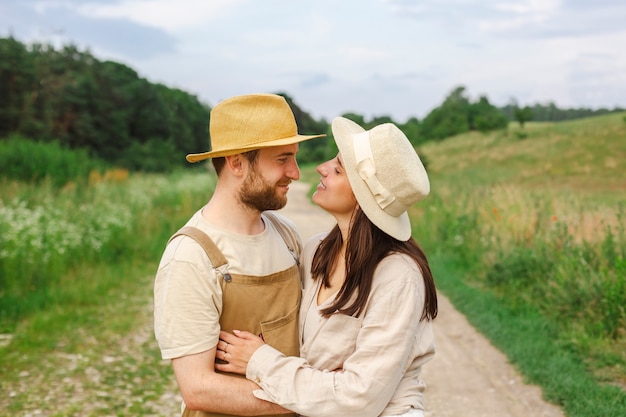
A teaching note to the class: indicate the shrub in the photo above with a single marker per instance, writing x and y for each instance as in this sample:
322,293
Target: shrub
26,160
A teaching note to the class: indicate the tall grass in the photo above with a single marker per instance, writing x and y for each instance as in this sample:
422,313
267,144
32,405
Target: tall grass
76,269
532,234
30,161
528,235
564,254
543,217
550,271
46,231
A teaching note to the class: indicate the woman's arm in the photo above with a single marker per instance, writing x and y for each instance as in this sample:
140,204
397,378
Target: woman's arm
370,375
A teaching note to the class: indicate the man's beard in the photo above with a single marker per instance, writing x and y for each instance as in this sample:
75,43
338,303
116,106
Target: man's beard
259,195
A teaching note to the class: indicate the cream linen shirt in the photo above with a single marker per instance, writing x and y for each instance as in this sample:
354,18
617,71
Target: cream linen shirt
377,356
187,290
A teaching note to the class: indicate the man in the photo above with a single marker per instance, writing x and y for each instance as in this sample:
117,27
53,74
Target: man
234,266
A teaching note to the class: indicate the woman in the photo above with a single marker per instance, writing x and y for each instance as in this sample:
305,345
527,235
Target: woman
365,317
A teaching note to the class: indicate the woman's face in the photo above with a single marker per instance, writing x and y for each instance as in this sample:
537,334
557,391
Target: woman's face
334,193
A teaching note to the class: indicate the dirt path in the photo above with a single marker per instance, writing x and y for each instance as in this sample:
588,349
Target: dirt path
468,377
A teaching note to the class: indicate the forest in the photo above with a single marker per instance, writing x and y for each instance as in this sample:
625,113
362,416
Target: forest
106,109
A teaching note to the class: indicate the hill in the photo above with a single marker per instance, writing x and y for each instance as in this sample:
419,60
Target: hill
526,234
581,155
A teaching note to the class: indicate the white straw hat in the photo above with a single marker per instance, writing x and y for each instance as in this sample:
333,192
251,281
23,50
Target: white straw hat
386,174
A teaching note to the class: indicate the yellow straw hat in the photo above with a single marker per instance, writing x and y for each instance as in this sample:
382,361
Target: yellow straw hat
243,123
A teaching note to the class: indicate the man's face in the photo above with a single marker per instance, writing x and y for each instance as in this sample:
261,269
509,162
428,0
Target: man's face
268,180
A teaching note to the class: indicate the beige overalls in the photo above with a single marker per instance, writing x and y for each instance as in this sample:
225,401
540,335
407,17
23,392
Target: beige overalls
263,305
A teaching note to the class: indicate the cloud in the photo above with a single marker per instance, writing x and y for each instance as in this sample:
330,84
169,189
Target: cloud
117,36
363,54
315,80
61,22
518,18
597,78
164,14
387,56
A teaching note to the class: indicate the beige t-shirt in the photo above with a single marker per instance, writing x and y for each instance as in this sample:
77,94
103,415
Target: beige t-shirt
187,291
379,354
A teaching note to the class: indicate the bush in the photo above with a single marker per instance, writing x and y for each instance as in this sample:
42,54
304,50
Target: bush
29,161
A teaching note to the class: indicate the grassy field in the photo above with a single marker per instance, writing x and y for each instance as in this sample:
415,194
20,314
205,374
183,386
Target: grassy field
524,229
76,267
527,236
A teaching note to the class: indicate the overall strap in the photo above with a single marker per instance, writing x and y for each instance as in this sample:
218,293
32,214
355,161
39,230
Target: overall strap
211,249
292,242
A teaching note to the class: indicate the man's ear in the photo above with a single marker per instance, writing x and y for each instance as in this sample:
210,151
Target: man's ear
236,164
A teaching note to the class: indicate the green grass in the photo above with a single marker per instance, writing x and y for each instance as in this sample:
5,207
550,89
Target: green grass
521,232
531,343
581,155
47,231
27,160
81,342
527,238
89,356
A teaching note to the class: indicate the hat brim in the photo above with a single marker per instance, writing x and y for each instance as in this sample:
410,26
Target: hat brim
396,227
197,157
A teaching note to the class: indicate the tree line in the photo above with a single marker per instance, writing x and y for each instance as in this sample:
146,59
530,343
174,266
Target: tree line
549,112
106,109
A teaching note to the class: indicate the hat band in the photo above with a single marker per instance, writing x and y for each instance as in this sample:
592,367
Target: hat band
366,168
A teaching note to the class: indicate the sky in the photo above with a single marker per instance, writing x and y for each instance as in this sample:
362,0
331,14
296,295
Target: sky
397,58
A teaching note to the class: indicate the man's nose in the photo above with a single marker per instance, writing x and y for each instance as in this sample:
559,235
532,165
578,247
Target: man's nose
294,171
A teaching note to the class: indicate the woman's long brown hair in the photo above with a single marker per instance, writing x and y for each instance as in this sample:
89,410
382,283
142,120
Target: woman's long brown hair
367,245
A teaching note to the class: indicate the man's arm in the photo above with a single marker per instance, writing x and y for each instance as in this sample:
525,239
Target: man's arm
204,389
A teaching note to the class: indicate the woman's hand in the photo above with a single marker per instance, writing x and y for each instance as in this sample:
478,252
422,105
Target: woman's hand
236,349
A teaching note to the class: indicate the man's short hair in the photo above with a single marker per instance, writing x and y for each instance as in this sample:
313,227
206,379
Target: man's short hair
219,162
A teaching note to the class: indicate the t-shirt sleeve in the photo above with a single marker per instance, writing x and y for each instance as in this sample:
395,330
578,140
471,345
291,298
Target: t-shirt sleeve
187,302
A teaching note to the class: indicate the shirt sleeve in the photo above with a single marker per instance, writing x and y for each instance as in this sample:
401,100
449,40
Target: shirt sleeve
187,304
370,375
